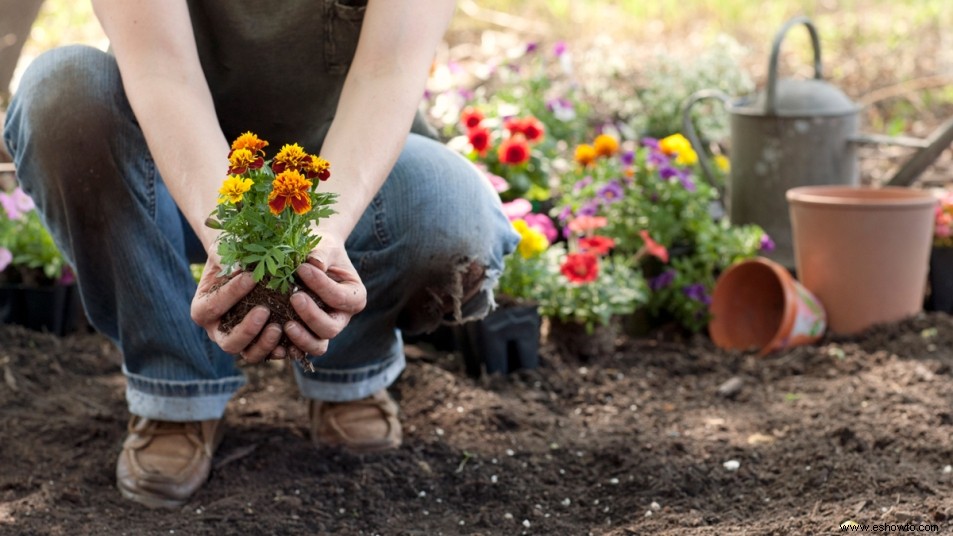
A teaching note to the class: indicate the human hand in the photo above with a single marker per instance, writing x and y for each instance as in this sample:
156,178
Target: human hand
331,276
253,339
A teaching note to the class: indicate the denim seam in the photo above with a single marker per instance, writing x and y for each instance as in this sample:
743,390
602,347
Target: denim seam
380,229
151,187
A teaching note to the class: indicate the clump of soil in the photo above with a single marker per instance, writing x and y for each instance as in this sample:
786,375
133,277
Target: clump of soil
281,312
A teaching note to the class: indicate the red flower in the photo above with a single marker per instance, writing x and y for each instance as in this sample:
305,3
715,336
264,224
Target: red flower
513,124
580,267
533,129
514,150
600,245
479,139
471,117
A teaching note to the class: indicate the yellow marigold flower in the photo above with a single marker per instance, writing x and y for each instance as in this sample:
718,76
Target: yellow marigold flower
317,167
605,145
241,160
233,189
722,163
674,144
686,157
585,154
249,141
291,156
290,187
532,241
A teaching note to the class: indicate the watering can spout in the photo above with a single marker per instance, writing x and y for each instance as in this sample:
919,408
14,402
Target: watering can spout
930,150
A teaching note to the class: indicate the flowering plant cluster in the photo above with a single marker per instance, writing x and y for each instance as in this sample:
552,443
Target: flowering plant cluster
28,255
661,217
527,267
266,210
506,148
943,221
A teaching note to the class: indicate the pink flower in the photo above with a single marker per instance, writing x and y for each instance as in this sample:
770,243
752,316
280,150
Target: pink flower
584,224
6,257
543,224
652,247
16,203
517,208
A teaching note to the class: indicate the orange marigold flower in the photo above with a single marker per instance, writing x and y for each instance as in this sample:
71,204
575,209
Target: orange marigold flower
580,267
514,150
317,167
605,145
250,141
586,154
290,187
471,117
291,156
241,160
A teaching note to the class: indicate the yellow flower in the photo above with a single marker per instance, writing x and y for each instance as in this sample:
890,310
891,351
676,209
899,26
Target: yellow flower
291,156
674,144
251,142
686,157
605,145
532,241
586,154
233,189
290,187
241,160
722,163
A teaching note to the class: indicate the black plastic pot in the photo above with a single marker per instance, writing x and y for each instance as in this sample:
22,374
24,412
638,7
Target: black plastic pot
941,281
54,309
504,341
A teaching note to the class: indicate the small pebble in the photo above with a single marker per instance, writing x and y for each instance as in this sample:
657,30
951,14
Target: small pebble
948,469
613,481
493,479
509,452
732,465
655,506
507,516
566,502
526,523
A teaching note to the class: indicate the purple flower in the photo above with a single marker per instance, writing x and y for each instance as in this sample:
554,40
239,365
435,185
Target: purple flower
67,277
627,157
667,172
591,208
657,159
580,184
611,192
455,68
687,182
564,214
662,280
696,291
650,142
466,94
6,257
559,48
767,244
531,47
543,224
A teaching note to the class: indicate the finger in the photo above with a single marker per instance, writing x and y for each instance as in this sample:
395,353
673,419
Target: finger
278,353
210,306
245,332
349,296
263,346
304,339
322,323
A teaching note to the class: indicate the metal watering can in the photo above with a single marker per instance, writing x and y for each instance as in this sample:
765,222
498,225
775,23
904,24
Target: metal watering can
796,133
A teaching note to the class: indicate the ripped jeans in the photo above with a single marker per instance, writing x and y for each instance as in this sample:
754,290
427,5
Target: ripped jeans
429,248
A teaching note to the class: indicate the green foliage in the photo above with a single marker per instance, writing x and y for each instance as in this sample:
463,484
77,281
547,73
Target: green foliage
27,252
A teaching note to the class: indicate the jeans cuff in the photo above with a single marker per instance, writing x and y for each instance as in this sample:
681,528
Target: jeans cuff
176,400
331,385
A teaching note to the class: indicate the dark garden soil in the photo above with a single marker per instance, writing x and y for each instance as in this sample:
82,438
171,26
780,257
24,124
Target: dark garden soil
638,440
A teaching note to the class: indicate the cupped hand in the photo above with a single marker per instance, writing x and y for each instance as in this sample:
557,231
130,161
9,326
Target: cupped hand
254,339
331,276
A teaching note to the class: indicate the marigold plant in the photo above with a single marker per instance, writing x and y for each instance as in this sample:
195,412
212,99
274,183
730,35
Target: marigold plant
267,209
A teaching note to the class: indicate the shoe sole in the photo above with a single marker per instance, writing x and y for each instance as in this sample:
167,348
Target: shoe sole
151,500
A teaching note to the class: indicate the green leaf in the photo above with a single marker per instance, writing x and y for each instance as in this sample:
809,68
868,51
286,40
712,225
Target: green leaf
259,272
256,248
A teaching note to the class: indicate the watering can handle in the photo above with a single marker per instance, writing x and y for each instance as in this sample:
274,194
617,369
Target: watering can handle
692,136
771,106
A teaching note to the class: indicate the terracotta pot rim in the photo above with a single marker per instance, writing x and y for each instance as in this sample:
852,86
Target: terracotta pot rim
860,197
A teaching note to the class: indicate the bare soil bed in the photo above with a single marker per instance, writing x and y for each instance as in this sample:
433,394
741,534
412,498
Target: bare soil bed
634,441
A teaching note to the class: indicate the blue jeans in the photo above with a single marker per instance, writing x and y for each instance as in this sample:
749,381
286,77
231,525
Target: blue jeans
79,152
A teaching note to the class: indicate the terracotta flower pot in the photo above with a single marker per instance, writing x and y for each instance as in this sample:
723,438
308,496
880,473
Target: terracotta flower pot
863,252
757,304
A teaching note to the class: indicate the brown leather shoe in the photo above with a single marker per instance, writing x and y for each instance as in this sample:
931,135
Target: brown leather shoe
368,425
163,463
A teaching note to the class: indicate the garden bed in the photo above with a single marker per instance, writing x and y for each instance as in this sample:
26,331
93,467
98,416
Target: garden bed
633,442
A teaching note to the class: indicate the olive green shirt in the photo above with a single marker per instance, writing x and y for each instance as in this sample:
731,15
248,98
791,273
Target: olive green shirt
277,68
